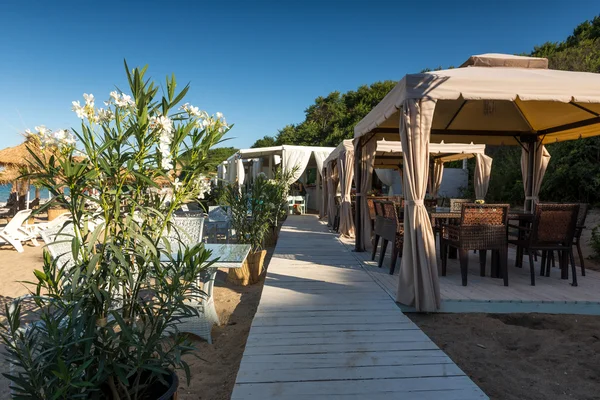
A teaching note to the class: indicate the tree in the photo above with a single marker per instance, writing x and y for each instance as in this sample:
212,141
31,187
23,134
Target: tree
266,141
216,156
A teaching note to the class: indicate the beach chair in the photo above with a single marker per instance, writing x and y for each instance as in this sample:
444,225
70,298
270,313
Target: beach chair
15,234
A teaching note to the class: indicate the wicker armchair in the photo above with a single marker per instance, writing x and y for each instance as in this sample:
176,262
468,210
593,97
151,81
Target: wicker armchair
482,227
456,204
336,219
553,229
391,229
378,223
581,216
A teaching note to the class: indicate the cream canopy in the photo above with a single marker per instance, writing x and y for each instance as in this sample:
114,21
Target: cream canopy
491,99
496,105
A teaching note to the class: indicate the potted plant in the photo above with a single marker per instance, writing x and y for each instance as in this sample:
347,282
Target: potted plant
251,217
108,323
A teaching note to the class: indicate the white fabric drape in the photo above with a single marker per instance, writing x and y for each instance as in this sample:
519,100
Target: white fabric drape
367,161
483,170
320,157
346,174
324,191
386,176
256,167
295,159
221,171
276,159
541,161
436,179
231,171
239,171
332,184
418,284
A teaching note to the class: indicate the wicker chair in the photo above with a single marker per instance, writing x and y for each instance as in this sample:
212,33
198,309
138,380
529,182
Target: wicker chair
336,219
430,203
482,227
553,229
186,230
456,204
377,225
581,216
391,230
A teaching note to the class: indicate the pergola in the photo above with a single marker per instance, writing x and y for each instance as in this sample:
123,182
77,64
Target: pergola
388,156
491,99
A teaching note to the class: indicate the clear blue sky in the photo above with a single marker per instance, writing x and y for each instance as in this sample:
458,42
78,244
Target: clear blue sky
260,63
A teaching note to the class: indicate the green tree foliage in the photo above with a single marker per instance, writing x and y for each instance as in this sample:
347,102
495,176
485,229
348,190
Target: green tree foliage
574,170
216,156
266,141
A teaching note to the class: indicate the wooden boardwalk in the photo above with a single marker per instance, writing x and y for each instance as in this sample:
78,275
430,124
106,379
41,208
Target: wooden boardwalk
485,294
325,329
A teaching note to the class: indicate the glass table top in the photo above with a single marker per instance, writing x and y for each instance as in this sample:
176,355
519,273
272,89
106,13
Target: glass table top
228,253
224,255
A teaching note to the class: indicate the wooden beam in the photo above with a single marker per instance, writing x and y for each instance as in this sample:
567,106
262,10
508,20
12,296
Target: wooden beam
573,125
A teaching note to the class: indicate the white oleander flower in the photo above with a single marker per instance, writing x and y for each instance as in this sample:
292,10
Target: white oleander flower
89,99
80,111
204,187
219,115
105,116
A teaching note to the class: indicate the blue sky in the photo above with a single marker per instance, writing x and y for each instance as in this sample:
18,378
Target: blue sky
260,63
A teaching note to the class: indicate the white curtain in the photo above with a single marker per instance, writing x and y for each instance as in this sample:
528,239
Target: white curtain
323,202
346,174
483,170
541,161
418,284
386,176
332,184
320,157
436,179
256,167
296,158
276,159
231,171
367,161
221,171
239,171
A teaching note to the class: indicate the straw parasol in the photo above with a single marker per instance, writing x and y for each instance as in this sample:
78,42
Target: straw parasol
9,175
16,156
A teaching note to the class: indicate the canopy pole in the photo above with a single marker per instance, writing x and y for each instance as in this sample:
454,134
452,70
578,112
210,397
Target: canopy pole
531,148
358,182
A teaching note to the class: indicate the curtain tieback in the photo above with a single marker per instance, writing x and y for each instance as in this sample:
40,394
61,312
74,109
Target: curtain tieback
358,194
534,198
415,202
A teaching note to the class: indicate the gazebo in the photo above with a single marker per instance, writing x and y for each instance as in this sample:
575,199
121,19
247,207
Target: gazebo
266,159
339,168
492,99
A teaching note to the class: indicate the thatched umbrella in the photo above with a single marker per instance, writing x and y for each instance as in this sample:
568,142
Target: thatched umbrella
16,158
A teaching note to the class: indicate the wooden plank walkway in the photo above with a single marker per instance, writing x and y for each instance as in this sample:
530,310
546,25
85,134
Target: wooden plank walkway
485,294
325,329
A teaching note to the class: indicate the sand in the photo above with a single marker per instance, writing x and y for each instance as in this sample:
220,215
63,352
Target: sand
522,356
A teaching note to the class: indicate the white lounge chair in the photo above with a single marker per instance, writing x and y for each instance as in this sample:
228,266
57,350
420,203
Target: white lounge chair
15,234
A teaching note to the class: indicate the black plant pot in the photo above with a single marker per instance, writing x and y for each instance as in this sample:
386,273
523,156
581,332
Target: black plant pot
171,392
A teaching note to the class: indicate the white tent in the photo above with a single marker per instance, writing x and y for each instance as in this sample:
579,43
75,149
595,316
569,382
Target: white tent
291,158
492,99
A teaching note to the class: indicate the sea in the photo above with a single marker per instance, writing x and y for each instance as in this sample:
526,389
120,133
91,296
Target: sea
5,192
